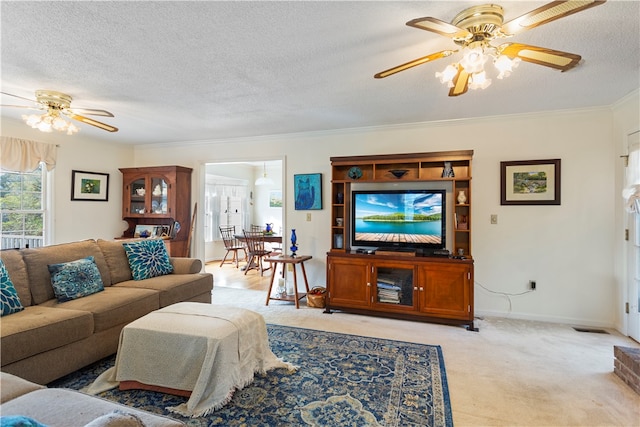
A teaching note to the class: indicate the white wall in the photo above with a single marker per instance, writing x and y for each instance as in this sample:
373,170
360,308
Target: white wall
78,220
567,249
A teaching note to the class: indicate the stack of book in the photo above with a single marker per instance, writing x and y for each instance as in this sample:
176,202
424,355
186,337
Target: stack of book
388,290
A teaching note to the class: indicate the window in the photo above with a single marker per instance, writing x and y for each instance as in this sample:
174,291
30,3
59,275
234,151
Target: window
22,208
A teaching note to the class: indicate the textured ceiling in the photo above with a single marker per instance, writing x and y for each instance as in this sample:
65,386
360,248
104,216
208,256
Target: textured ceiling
189,71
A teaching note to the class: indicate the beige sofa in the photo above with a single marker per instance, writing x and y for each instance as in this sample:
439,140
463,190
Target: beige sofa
50,339
68,408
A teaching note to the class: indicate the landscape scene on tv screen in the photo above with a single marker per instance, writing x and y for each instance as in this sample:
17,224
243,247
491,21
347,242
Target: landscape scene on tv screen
402,218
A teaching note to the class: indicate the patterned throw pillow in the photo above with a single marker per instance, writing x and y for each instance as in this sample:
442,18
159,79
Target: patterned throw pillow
148,258
75,279
8,295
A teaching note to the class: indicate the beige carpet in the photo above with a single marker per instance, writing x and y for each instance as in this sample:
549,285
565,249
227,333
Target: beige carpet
511,373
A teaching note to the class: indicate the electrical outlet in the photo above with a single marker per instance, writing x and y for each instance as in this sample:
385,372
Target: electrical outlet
494,219
289,267
532,285
308,217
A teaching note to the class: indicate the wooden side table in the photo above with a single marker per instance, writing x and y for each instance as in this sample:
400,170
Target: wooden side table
284,260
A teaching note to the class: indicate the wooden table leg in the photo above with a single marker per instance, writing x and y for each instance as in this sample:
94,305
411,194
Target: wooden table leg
295,285
304,274
273,276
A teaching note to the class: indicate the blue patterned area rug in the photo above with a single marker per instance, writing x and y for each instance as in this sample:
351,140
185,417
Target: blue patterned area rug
343,380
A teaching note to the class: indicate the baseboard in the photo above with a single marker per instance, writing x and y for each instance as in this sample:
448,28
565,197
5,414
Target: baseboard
548,319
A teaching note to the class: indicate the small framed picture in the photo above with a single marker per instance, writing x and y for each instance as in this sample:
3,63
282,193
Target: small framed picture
308,191
275,199
144,231
530,182
91,186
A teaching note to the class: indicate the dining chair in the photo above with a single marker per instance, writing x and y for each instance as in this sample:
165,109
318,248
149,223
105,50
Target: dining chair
257,251
232,244
273,247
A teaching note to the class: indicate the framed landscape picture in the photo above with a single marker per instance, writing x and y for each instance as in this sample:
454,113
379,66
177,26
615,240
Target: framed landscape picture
530,182
275,199
91,186
308,191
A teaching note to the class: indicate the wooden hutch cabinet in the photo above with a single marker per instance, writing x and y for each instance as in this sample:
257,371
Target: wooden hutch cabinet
159,195
429,288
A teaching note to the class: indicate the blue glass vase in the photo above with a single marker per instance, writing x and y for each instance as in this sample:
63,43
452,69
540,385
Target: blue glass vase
294,240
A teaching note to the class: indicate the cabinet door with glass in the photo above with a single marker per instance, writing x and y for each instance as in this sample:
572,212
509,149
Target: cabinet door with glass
393,288
147,196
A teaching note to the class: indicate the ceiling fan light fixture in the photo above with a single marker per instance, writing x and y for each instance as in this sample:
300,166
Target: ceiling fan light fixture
479,81
50,121
473,59
447,75
505,65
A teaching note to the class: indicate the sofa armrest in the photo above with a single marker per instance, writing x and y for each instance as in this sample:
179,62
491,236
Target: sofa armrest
186,265
12,386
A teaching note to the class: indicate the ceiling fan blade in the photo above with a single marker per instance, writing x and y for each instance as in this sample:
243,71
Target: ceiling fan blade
90,112
92,122
559,60
415,62
460,83
21,97
34,107
440,27
547,13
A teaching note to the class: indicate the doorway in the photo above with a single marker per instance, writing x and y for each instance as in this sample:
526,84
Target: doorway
241,193
632,242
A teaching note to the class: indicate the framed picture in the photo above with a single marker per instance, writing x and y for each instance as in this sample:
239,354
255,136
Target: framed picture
308,191
530,182
91,186
275,199
144,231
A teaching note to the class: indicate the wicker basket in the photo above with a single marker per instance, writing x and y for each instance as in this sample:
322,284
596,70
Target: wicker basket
317,300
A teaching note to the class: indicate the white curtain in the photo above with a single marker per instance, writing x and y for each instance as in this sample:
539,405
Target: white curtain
631,192
23,155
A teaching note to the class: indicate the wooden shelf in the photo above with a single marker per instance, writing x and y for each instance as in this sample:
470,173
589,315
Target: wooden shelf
442,287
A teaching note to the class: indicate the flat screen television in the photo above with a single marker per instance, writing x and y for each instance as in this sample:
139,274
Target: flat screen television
413,219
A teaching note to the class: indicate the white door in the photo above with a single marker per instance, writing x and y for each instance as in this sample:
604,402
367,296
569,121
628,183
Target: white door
633,242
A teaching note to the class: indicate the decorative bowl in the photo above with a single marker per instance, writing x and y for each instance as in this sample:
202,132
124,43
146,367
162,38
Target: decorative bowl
398,173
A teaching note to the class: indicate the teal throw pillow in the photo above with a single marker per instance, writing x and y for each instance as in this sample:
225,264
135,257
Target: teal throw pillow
19,421
75,279
8,295
148,258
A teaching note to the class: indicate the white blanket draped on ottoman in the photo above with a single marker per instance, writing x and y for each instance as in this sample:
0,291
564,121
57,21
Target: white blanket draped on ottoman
210,350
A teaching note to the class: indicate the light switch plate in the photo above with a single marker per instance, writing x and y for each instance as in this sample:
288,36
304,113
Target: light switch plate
494,219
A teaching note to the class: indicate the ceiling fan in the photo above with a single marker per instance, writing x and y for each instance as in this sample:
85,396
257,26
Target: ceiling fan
474,28
58,104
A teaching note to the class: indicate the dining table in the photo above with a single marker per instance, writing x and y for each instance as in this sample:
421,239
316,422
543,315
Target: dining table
268,238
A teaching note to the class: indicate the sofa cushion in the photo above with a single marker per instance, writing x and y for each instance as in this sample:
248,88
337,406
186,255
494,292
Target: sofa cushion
37,260
148,258
75,279
17,269
12,386
9,300
37,329
174,288
117,260
113,306
70,408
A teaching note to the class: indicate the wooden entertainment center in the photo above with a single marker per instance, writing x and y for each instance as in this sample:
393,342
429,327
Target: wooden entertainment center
403,285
